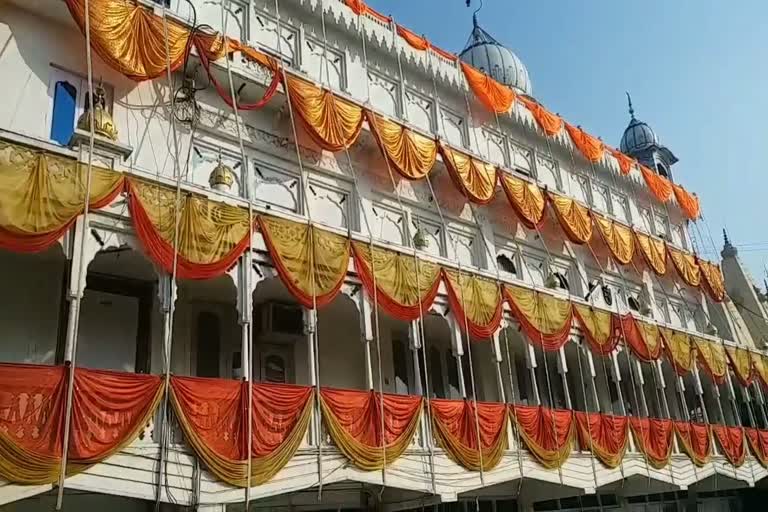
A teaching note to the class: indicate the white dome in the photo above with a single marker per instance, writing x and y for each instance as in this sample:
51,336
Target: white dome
637,136
483,52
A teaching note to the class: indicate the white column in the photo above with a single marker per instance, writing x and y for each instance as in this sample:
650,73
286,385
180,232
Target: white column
246,280
310,326
562,369
497,360
457,350
415,343
616,374
530,362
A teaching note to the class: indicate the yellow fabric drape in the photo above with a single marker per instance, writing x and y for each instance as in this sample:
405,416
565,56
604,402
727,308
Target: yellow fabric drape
712,357
741,362
713,278
411,154
679,349
332,122
760,364
477,179
598,322
301,252
654,252
398,276
617,237
42,193
526,199
479,298
686,266
548,314
574,218
131,39
208,230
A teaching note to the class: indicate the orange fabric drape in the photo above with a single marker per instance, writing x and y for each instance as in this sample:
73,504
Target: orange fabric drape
475,302
359,7
654,252
605,435
411,154
685,264
741,362
311,262
354,421
660,186
213,415
416,42
550,123
494,96
601,329
475,178
526,199
711,357
688,202
617,237
109,409
548,434
574,218
625,162
545,320
713,280
455,428
211,235
680,350
653,437
695,440
333,123
643,338
758,444
131,39
591,147
405,286
731,443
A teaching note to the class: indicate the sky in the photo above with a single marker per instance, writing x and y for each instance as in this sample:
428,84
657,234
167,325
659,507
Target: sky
697,71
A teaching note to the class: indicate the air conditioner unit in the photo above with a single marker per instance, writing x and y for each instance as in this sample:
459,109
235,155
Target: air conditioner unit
278,323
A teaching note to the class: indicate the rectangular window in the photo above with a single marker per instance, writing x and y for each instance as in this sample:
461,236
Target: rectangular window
621,208
325,64
661,225
436,373
329,205
68,96
454,391
521,158
386,223
420,110
400,361
286,48
581,188
601,198
277,188
495,147
464,247
454,128
385,94
548,172
427,236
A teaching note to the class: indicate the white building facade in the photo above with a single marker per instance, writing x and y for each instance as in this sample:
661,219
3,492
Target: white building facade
227,306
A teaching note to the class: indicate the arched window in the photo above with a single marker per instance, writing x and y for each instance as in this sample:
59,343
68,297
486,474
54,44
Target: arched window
662,170
208,345
64,108
436,373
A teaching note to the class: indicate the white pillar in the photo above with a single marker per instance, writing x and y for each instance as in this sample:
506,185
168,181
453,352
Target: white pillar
457,350
415,343
497,360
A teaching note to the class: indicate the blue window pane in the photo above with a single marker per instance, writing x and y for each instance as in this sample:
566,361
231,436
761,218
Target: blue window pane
64,107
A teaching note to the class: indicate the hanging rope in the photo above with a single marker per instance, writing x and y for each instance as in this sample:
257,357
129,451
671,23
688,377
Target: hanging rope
81,263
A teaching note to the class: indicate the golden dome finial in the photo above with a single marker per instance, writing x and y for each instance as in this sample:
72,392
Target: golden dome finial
102,120
222,177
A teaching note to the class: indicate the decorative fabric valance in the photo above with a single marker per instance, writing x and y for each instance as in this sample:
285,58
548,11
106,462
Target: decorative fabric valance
688,202
475,178
455,428
711,357
213,416
679,349
731,443
494,96
549,123
617,237
475,302
545,320
685,264
601,328
409,153
526,199
660,186
626,163
311,262
591,147
42,194
604,435
211,235
654,251
644,339
760,364
695,440
548,434
653,438
354,421
741,362
333,123
758,444
713,280
406,286
574,218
